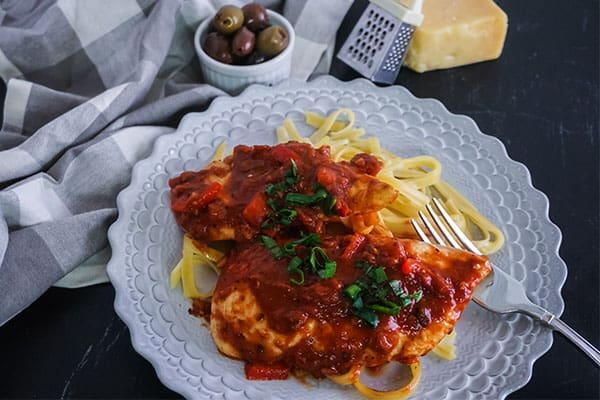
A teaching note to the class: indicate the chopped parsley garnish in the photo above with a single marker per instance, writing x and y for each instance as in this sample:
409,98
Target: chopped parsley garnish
280,214
283,216
396,288
306,199
286,216
294,269
320,263
317,261
378,275
320,197
386,307
312,239
375,293
272,246
352,291
289,180
368,316
279,202
329,204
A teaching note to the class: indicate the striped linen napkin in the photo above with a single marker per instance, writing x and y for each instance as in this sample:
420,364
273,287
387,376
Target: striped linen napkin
90,86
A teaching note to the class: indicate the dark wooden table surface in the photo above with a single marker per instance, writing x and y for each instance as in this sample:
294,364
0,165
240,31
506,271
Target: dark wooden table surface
540,98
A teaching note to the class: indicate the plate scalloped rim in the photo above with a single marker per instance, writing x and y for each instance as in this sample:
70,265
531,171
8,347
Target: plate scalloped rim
140,339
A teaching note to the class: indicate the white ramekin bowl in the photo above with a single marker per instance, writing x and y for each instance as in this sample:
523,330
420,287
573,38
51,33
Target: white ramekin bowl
234,78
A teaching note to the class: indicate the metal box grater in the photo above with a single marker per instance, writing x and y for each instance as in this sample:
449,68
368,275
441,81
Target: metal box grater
378,43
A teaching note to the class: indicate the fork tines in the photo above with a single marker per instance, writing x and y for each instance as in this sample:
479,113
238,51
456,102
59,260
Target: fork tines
443,230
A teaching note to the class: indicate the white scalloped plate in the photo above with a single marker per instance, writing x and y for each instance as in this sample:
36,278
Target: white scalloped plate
495,353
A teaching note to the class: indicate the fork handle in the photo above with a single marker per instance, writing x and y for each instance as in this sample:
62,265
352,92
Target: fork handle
576,339
537,312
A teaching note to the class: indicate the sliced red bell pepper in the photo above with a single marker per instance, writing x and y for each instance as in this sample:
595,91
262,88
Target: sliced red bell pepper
342,208
256,211
329,178
197,200
408,266
353,246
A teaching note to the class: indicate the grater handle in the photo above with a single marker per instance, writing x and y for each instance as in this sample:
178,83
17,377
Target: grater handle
413,5
416,5
412,15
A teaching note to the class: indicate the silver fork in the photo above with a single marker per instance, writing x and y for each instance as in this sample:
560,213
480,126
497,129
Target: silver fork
498,292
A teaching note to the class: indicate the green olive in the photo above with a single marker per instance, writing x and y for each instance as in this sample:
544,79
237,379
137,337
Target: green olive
228,19
272,41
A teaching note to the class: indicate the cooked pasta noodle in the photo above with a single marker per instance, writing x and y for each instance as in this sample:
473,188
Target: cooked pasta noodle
417,180
398,394
220,152
352,377
346,379
446,348
197,270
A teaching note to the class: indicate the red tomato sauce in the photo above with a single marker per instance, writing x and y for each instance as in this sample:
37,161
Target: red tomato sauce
205,208
344,337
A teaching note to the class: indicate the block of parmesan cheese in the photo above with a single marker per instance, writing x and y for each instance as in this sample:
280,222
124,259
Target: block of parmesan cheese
457,32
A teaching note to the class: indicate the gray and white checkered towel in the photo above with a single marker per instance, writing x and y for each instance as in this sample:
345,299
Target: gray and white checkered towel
90,85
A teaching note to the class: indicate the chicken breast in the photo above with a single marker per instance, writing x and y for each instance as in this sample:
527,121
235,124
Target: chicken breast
248,192
260,316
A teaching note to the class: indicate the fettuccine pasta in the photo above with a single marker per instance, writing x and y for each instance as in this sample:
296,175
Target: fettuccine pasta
416,179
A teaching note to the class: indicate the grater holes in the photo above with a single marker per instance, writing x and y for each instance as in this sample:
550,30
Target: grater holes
391,66
373,53
368,24
393,61
370,63
360,31
371,13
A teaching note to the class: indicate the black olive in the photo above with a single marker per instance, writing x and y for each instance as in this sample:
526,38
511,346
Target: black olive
243,42
255,17
217,46
253,58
